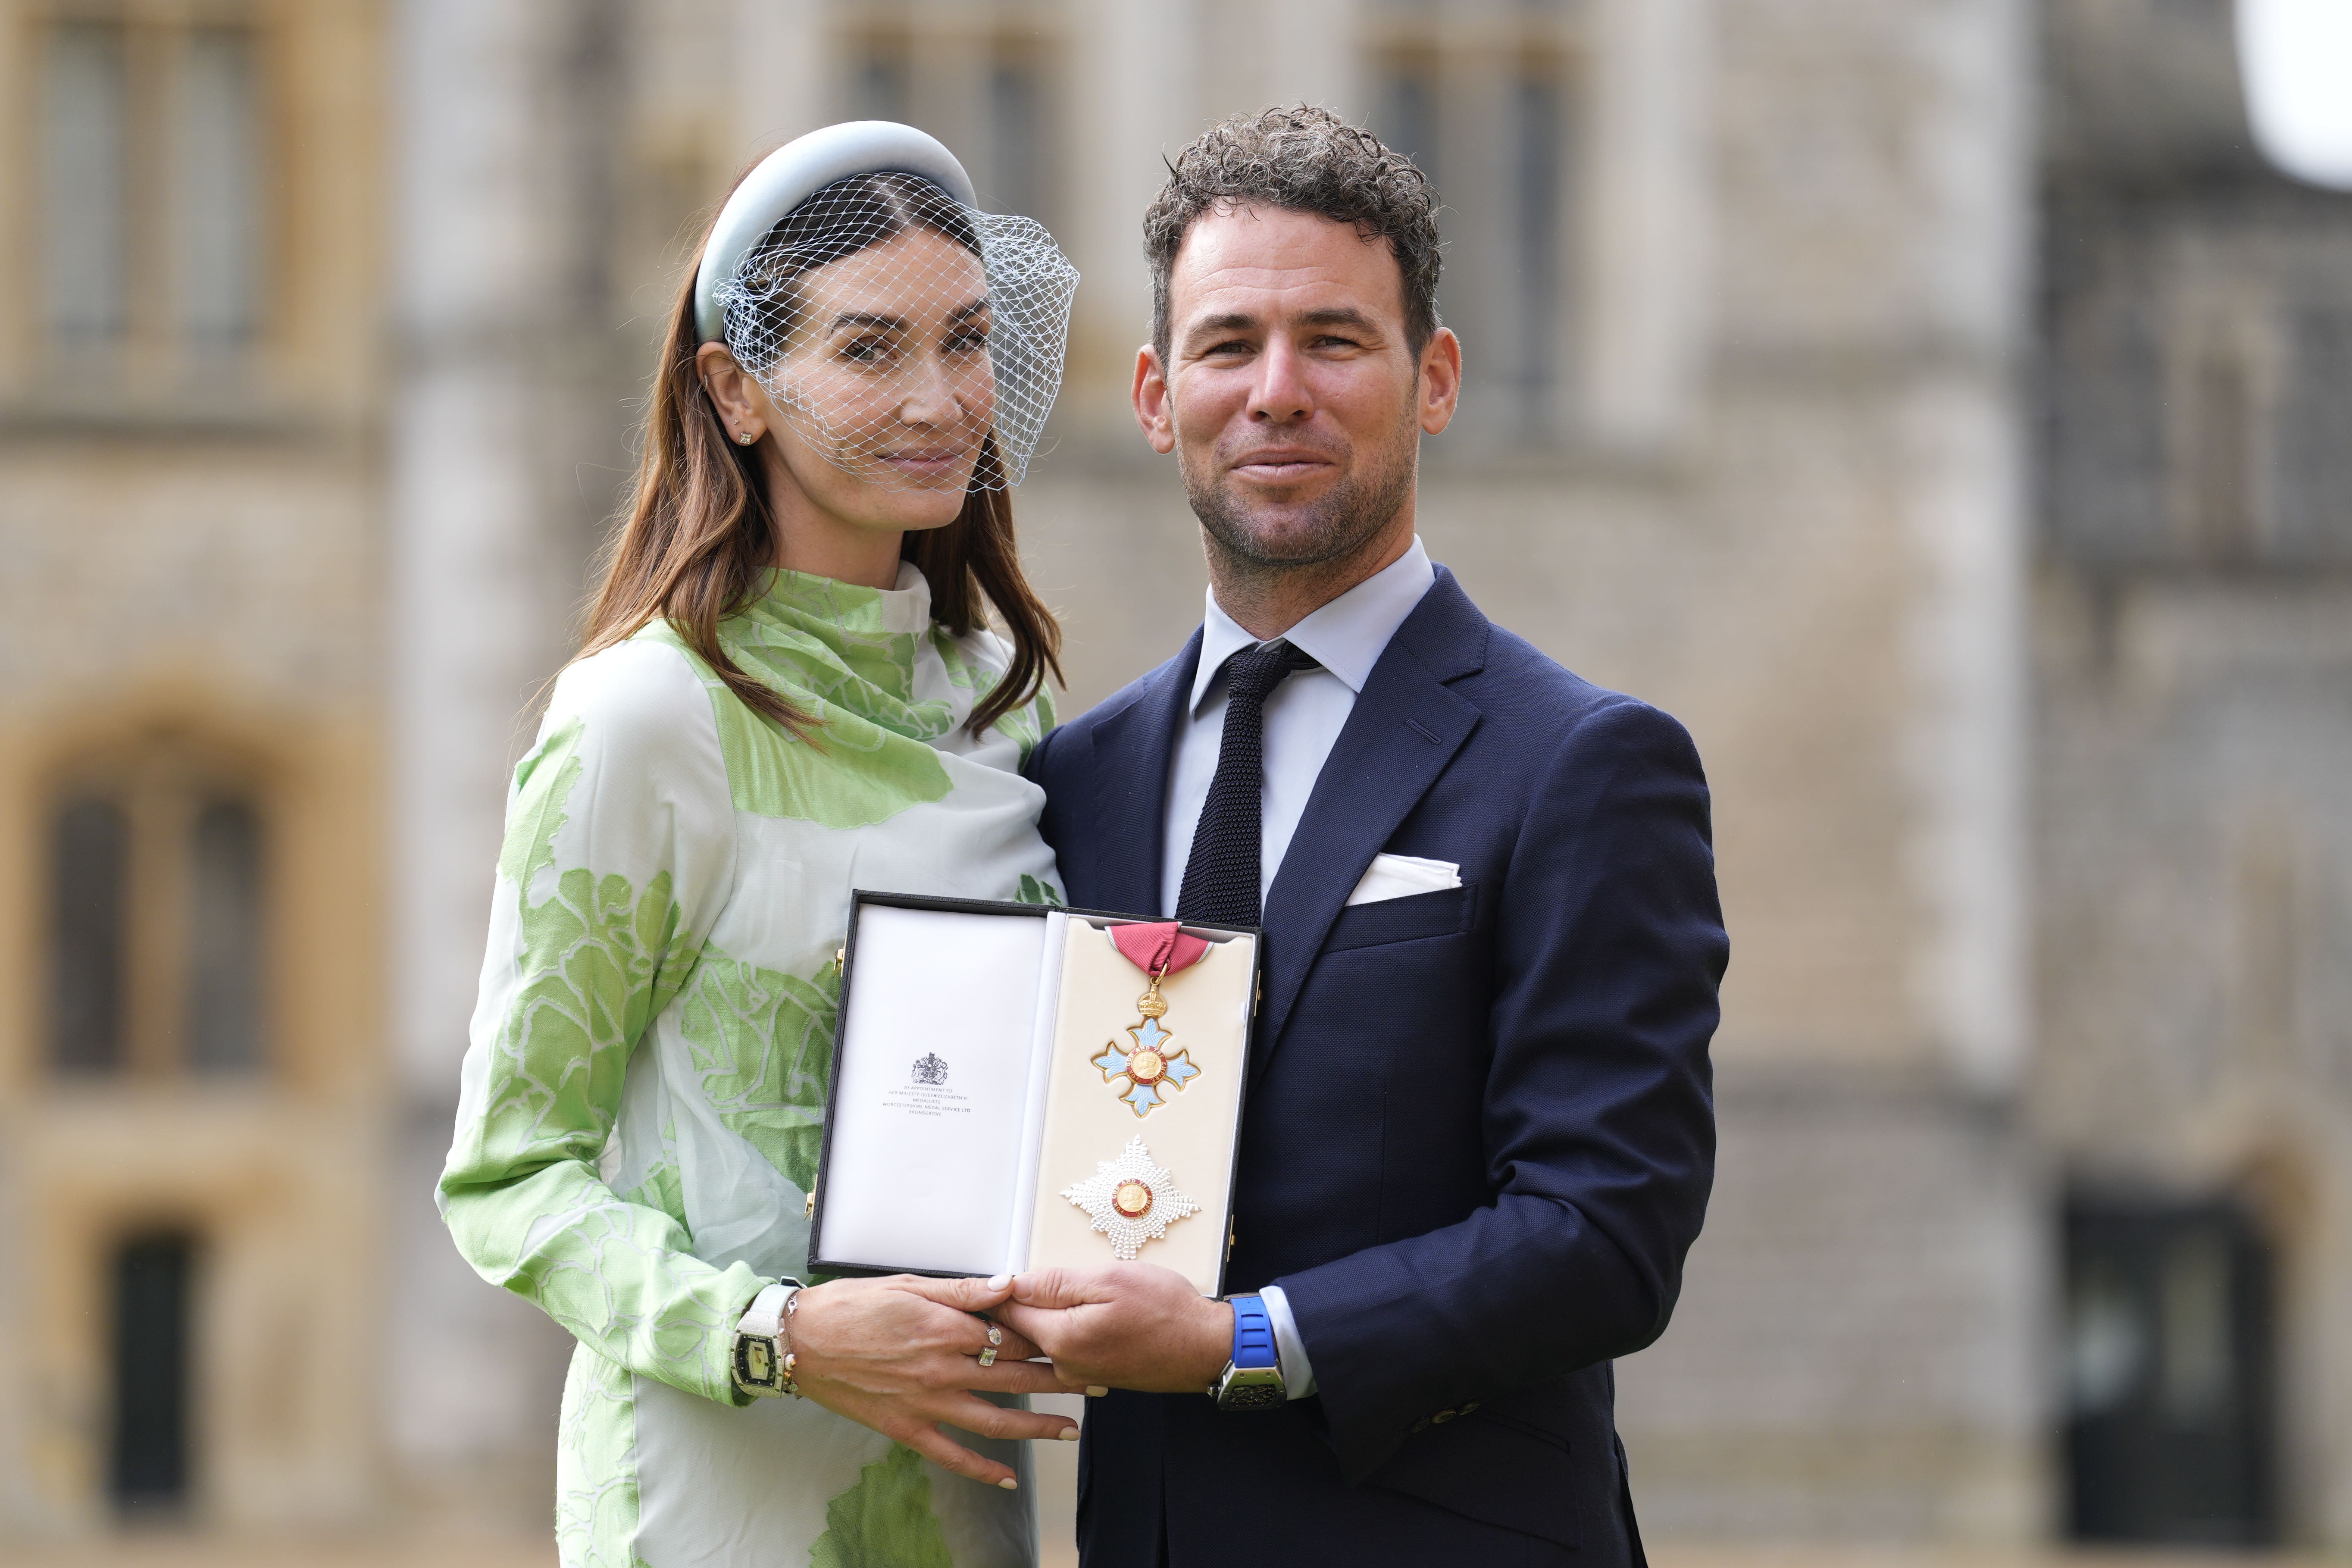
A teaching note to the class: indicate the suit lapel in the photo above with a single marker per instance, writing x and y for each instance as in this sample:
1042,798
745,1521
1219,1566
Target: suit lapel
1131,753
1404,729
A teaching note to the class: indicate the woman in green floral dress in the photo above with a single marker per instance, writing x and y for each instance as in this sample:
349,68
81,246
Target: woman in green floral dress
787,690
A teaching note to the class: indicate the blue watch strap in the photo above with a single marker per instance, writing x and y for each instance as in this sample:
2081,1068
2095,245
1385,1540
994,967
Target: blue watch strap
1253,1333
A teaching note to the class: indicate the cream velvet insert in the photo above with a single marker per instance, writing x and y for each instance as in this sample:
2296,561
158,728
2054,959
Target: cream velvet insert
958,1164
1193,1136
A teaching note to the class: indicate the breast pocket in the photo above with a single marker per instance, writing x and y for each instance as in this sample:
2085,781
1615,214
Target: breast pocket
1443,912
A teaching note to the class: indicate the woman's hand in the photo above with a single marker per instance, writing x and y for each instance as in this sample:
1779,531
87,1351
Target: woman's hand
901,1355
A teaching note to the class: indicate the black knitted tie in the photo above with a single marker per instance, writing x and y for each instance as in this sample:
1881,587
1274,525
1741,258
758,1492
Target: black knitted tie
1222,873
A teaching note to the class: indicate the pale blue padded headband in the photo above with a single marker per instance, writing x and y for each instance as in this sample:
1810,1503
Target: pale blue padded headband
797,170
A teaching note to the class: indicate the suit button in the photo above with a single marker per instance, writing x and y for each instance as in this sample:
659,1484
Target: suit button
1469,1408
1422,1424
1444,1415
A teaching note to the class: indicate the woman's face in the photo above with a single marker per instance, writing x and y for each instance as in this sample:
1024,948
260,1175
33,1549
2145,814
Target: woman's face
885,392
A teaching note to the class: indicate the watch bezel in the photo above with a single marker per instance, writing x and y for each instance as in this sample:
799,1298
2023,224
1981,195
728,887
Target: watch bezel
772,1344
1250,1388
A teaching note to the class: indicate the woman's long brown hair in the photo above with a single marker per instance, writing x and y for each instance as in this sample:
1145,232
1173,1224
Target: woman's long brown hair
700,536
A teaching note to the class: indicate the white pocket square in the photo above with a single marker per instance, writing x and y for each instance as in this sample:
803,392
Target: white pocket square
1401,876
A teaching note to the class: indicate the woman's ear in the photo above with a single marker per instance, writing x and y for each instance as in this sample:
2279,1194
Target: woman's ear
733,393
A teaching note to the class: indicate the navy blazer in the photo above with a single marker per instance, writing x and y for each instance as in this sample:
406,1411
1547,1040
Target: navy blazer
1479,1131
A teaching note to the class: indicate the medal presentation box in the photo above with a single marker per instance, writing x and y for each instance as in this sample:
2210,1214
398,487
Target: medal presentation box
1011,1090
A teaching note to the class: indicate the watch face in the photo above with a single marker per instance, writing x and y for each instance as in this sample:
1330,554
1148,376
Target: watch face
755,1362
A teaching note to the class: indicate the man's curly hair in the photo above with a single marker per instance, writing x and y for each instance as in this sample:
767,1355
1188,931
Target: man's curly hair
1307,160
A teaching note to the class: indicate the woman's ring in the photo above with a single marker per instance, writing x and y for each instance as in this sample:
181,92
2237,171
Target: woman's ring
995,1335
988,1356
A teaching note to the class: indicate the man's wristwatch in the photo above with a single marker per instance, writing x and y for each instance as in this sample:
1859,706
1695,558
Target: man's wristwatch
1253,1378
763,1352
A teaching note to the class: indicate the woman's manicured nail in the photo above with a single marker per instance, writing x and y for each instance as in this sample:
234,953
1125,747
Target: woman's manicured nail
999,1281
1009,1484
1067,1434
1095,1392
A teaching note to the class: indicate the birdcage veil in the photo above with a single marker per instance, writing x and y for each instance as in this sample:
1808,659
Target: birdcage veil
910,338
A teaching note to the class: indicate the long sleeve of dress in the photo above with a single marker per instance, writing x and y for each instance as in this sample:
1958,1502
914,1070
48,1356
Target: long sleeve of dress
619,854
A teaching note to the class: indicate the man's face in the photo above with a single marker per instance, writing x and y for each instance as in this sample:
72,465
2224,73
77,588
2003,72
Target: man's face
1290,395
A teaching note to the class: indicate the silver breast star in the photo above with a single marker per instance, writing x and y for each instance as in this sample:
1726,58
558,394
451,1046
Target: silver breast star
1130,1200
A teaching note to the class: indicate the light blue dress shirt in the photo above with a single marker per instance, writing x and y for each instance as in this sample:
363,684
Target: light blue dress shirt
1303,720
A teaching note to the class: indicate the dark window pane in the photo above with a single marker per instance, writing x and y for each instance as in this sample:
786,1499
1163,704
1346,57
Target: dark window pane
2219,462
152,1280
2314,476
1537,129
225,939
2169,1357
1408,112
877,82
1017,137
84,176
90,868
218,202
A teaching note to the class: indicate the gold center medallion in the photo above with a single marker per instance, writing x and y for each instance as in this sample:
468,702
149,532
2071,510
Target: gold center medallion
1145,1066
1133,1199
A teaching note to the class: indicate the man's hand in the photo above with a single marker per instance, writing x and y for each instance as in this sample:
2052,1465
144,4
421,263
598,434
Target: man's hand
1131,1325
900,1356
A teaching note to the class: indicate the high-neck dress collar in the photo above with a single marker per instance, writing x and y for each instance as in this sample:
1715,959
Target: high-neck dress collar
905,606
833,648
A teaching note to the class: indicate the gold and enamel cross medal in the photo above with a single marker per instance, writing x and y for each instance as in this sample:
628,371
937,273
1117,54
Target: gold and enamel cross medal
1152,1071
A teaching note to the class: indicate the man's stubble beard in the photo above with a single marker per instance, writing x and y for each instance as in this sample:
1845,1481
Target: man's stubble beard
1337,525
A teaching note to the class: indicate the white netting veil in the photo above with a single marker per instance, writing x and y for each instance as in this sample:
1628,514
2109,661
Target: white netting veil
909,338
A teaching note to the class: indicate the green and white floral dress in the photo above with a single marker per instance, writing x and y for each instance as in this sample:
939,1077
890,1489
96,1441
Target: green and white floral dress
645,1088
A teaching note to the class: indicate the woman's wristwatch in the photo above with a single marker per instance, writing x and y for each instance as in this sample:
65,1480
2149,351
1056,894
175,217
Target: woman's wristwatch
1253,1378
763,1346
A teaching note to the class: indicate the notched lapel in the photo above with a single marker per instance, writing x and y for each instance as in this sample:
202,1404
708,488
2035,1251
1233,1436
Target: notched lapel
1406,729
1131,753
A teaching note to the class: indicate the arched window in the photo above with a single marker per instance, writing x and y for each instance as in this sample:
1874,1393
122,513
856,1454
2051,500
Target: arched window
158,900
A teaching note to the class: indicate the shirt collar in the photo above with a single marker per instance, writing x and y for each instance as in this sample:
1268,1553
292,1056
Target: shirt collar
1346,636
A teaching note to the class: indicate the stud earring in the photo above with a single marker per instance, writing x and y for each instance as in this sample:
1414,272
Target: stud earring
744,438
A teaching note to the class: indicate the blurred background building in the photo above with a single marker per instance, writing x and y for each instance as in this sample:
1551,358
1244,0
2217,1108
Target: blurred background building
1937,403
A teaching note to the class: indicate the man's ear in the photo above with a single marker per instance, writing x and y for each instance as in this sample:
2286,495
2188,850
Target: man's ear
1149,393
1441,380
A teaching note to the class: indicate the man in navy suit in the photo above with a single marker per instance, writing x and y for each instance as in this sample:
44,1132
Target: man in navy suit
1479,1134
